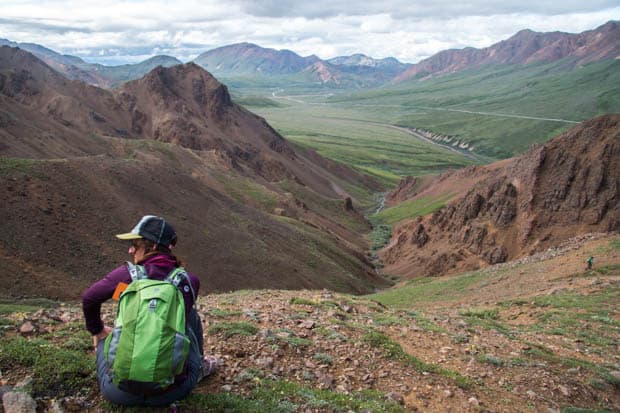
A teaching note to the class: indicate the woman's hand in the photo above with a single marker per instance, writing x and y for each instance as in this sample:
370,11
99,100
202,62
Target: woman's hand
101,336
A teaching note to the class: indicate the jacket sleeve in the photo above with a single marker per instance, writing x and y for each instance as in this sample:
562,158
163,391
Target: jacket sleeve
98,293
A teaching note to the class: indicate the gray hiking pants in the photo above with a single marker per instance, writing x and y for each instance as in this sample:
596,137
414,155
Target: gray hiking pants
194,373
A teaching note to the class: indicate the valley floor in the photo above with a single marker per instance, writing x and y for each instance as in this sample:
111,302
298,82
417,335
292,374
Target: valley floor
536,335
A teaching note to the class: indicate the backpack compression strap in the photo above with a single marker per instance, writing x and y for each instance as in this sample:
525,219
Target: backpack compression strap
177,276
137,272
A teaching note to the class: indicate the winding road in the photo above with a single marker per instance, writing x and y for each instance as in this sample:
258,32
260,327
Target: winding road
501,115
467,154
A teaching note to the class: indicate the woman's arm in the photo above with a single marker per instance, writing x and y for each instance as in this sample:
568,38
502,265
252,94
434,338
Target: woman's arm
97,294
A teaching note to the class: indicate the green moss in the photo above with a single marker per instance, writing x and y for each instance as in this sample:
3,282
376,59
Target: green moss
428,290
323,358
541,352
595,306
487,318
489,359
424,322
302,301
25,305
286,336
21,166
229,329
389,320
56,372
284,396
297,341
394,351
412,208
218,312
482,313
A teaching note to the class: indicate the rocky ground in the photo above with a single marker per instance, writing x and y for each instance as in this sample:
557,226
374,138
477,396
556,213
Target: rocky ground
538,335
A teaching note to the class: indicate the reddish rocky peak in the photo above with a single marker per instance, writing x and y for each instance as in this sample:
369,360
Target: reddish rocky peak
183,104
610,26
519,48
16,59
324,72
189,82
21,73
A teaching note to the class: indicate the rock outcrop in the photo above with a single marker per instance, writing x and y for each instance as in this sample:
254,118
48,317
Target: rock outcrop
564,188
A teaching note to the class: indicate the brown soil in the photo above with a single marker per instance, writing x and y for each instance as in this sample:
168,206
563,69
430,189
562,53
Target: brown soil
91,162
504,376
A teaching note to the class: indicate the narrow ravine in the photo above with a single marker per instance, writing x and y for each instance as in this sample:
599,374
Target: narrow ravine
379,236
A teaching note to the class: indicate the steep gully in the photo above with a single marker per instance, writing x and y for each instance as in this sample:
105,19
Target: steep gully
378,265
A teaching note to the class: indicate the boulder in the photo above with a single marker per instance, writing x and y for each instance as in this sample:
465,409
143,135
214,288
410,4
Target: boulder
18,402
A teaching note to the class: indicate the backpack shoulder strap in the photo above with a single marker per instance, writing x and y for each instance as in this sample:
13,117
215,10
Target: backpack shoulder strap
177,276
137,272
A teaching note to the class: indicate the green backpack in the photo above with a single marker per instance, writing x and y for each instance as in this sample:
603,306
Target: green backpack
148,345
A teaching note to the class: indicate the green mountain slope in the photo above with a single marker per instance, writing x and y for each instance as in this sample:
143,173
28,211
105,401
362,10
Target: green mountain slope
125,73
361,140
500,111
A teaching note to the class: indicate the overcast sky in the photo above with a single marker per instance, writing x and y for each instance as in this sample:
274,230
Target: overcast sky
113,32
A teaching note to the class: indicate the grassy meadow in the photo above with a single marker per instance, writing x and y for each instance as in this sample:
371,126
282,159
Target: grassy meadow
500,111
411,209
348,136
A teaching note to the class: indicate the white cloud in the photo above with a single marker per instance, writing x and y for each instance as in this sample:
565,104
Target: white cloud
407,29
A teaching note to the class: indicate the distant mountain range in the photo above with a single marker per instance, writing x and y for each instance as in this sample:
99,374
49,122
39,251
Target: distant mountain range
95,74
246,60
523,48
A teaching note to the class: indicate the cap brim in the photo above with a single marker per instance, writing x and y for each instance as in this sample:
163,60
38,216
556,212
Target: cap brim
129,235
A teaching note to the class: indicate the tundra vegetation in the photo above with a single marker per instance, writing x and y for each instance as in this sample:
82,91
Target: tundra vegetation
498,338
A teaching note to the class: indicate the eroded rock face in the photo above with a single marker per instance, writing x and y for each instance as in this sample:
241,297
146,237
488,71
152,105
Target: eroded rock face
419,236
403,191
18,83
496,255
567,187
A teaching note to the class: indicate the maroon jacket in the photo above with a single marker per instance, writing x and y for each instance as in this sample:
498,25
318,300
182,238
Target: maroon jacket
157,267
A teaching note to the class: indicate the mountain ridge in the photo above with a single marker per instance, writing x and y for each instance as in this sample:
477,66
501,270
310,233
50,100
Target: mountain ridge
357,70
515,207
175,143
523,48
95,74
247,59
